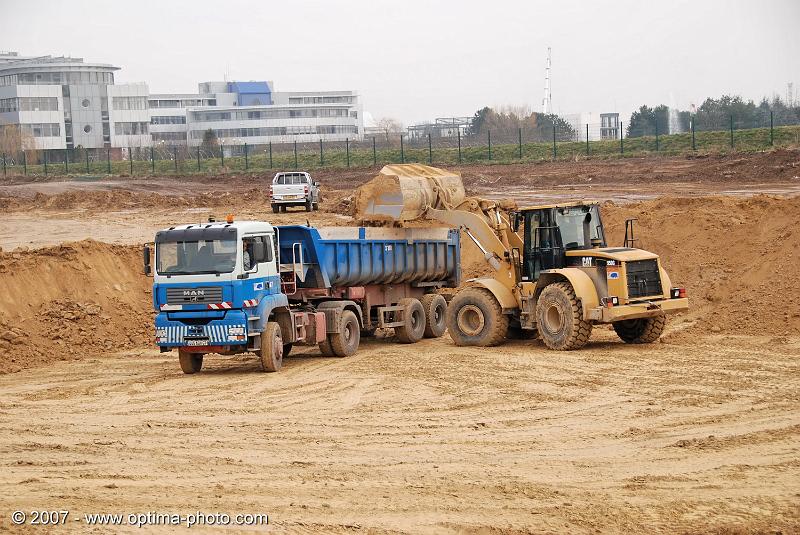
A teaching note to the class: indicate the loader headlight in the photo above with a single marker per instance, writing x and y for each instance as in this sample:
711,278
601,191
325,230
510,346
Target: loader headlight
234,331
677,293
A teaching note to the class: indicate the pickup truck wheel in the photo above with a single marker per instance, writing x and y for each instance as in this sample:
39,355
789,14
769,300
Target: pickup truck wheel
316,206
559,318
190,362
414,315
435,308
309,206
345,342
271,352
475,318
642,330
283,208
275,208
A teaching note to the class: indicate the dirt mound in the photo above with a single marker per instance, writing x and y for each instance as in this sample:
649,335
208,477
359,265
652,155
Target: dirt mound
71,301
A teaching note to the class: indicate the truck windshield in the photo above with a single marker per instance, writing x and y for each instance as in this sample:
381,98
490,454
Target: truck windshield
579,225
195,257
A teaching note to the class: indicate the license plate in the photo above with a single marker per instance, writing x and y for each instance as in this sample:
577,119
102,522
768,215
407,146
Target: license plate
294,196
198,342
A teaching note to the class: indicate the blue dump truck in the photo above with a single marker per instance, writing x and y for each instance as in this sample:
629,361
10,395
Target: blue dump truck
237,286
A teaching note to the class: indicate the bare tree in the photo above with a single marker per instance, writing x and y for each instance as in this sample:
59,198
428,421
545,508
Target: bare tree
390,127
14,140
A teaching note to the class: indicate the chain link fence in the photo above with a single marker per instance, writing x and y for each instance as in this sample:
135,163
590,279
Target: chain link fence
670,136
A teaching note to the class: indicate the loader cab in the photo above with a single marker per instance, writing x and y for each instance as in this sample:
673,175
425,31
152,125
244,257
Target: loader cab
550,231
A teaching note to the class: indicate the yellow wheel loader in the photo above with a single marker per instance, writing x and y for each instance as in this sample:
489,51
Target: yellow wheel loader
554,273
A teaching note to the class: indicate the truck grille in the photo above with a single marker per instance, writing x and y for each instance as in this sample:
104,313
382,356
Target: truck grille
187,296
644,279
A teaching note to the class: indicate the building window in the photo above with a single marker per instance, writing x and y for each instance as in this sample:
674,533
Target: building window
42,129
87,128
131,129
85,103
168,119
129,103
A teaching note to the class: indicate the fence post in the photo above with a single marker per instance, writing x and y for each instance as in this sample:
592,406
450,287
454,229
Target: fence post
555,154
246,159
694,145
347,149
66,161
295,154
519,140
108,161
130,159
45,164
587,139
459,145
321,157
731,131
4,164
25,163
489,135
621,143
270,154
175,157
430,151
656,121
198,158
374,152
152,160
771,127
222,154
402,151
86,153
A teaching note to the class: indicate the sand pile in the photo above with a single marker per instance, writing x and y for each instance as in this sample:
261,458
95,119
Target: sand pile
71,301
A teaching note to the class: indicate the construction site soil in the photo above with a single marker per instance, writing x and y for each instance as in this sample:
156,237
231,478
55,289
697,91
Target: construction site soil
697,433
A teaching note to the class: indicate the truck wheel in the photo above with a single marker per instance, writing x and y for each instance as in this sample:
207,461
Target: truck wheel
435,307
275,208
316,206
283,208
641,330
190,362
271,352
287,348
413,329
475,318
325,348
559,318
345,342
309,206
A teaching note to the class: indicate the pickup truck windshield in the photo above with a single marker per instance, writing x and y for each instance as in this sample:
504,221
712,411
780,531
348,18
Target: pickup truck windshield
291,179
195,257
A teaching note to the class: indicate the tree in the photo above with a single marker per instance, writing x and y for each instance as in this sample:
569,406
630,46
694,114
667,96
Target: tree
509,120
390,127
209,143
478,121
14,140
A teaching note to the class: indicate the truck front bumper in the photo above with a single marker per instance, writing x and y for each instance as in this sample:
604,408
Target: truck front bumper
644,309
228,331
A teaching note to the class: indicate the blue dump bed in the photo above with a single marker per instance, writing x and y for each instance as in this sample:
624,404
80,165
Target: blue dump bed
360,256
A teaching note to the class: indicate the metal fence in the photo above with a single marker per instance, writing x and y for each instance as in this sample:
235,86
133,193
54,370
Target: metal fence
509,145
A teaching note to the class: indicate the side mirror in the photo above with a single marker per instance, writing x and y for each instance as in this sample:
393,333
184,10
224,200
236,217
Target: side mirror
316,184
515,218
259,252
147,268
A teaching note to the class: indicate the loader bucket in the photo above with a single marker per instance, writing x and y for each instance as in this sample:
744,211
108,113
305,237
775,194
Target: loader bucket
404,192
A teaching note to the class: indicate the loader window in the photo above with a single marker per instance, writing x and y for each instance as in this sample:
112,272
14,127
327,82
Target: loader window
579,225
195,257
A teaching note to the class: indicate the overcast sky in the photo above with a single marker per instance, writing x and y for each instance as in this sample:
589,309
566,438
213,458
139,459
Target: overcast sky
419,59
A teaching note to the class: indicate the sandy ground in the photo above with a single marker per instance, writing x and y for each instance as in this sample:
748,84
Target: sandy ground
697,434
674,438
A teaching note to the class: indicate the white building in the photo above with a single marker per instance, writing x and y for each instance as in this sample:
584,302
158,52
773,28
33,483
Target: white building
65,103
252,113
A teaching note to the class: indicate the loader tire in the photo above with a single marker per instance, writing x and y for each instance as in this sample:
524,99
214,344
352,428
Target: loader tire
475,318
190,362
345,342
559,318
642,330
435,308
414,316
271,352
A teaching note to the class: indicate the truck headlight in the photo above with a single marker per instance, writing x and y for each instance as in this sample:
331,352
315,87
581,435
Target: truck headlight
161,332
234,331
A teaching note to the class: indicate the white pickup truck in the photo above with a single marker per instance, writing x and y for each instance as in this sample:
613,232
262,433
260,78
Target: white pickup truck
294,189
